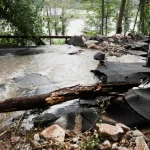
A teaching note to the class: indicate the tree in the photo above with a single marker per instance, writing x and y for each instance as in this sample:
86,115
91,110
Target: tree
144,16
22,17
99,20
58,15
120,17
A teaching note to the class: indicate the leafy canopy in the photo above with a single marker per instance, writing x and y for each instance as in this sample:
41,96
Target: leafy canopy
22,17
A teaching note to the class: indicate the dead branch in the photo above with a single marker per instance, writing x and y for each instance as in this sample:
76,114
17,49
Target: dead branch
62,95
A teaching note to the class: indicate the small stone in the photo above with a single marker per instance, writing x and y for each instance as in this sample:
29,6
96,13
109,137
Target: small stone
110,39
36,137
8,146
132,144
114,146
105,145
73,146
123,140
15,139
133,139
110,131
124,127
90,42
140,144
75,140
129,134
122,148
55,133
36,143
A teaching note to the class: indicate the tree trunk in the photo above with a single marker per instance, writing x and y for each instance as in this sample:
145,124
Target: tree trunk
136,17
102,26
62,95
119,23
48,22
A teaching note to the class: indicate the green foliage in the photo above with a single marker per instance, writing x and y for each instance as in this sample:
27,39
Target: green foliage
58,13
128,15
58,41
93,16
21,17
91,142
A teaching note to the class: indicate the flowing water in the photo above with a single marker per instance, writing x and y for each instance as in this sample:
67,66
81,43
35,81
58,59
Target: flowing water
51,68
39,70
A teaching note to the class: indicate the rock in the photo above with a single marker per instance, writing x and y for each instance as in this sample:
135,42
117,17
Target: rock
36,137
109,131
137,133
133,139
122,148
98,38
44,119
114,146
99,56
124,127
74,146
55,133
36,143
90,42
84,39
15,139
75,140
76,41
92,46
105,145
140,144
110,39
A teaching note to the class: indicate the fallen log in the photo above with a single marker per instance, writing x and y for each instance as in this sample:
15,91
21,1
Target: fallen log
62,95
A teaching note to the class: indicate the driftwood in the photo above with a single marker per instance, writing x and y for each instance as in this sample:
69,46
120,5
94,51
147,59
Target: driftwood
62,95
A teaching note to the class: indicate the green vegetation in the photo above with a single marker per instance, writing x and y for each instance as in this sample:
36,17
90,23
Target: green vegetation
49,17
21,17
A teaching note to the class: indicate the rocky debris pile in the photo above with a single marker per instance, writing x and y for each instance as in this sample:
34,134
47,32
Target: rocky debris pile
103,137
114,45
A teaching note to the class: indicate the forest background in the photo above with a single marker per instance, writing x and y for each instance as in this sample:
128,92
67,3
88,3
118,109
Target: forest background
49,17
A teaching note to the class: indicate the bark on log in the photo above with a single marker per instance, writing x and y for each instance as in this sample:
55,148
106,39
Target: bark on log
62,95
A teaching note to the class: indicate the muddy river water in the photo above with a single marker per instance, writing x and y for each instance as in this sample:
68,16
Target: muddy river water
25,74
39,70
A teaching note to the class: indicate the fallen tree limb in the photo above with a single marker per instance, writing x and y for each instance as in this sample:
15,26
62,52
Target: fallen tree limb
62,95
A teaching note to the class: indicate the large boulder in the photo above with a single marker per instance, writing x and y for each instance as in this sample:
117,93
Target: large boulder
76,41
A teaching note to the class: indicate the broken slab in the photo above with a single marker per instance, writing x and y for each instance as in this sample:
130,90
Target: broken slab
122,72
139,101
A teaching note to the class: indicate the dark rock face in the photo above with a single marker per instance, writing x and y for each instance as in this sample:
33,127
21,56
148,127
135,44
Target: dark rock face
76,41
47,118
99,56
98,38
122,72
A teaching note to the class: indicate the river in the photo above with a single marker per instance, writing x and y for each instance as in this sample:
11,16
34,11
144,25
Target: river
26,74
